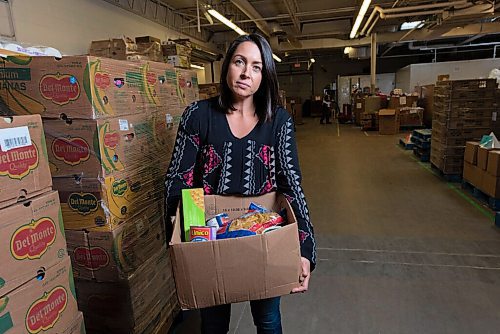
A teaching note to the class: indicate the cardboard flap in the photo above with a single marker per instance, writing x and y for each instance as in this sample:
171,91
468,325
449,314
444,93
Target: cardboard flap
387,112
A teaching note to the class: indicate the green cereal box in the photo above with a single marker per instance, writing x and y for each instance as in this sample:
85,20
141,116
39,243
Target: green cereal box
193,209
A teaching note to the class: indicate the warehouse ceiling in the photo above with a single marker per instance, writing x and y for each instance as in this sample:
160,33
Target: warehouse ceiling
305,28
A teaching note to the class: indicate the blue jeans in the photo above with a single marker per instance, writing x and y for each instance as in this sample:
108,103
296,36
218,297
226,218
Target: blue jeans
265,312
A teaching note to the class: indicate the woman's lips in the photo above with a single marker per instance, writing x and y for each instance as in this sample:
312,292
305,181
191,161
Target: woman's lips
242,84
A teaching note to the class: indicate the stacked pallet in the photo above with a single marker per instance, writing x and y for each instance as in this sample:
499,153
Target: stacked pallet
463,111
421,140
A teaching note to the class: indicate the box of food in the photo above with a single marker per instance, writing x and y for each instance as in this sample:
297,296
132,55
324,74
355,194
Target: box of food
132,305
46,305
33,237
214,272
111,256
24,167
82,87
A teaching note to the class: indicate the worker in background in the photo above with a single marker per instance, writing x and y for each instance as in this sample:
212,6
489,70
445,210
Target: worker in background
326,108
246,126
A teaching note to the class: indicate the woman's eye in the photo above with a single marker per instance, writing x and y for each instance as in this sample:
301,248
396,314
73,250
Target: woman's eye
239,62
257,69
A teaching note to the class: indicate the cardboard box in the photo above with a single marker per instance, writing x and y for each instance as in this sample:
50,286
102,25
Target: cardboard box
24,167
105,204
473,174
471,148
179,61
215,272
132,305
493,166
490,185
372,104
33,237
187,85
402,101
77,326
40,305
482,157
388,122
82,87
111,256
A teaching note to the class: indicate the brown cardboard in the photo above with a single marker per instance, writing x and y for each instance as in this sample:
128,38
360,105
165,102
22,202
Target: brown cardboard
83,87
388,122
97,204
473,174
215,272
49,303
471,148
372,104
491,185
24,171
77,326
132,305
493,166
482,157
32,235
111,256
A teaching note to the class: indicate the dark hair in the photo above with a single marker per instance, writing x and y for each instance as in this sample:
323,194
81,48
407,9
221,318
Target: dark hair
266,98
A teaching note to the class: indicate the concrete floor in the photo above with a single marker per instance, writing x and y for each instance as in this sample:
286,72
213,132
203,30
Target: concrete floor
400,250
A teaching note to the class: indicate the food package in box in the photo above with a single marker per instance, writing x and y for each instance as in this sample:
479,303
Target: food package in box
45,304
107,256
99,148
131,305
24,167
103,204
33,237
79,87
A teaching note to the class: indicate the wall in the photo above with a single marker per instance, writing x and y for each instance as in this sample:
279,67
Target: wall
403,77
384,81
70,25
425,74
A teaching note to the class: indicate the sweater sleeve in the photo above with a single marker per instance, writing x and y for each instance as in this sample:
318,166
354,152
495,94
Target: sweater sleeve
288,178
181,171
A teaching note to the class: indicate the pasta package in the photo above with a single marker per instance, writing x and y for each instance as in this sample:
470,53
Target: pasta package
256,221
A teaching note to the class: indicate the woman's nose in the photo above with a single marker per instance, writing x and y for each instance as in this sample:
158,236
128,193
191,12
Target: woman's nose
244,72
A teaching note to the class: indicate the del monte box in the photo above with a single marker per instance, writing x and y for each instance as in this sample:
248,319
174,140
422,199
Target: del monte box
32,235
24,168
45,305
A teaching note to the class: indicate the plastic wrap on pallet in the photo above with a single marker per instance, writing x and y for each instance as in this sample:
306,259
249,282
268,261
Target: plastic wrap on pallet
135,305
83,87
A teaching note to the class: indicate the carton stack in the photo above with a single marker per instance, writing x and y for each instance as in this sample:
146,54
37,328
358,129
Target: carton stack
110,128
463,111
209,90
37,290
144,48
177,54
482,168
388,121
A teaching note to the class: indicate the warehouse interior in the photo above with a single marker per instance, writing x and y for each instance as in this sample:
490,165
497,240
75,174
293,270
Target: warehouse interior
402,181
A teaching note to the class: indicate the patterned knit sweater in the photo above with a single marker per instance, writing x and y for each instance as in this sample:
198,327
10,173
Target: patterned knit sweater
208,155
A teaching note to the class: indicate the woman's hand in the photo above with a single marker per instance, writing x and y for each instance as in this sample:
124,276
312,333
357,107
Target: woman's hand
304,276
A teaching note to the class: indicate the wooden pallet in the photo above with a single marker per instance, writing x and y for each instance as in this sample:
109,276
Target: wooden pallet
491,202
407,145
421,143
444,176
424,134
422,155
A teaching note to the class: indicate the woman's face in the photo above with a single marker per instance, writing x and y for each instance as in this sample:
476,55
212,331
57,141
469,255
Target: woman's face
245,70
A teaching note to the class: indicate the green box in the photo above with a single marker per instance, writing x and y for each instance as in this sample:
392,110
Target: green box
193,209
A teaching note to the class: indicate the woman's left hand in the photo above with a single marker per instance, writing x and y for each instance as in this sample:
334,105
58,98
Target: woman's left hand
304,276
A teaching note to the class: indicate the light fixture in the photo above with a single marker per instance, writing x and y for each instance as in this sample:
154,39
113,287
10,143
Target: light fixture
347,50
312,60
197,67
233,26
359,18
411,25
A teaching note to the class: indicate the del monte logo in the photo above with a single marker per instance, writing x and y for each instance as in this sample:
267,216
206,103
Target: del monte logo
59,88
18,162
120,187
83,203
111,139
71,150
91,259
46,311
102,80
32,240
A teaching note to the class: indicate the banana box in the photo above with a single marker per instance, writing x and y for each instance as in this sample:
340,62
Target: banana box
111,256
77,326
103,205
99,148
24,167
131,305
32,235
43,305
83,87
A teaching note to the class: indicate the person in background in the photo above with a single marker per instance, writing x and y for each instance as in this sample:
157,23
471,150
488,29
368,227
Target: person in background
242,143
326,109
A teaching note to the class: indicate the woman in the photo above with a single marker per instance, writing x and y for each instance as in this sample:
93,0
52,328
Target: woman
242,143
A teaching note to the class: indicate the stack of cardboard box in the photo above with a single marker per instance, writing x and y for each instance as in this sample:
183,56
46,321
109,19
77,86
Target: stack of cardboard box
482,168
144,48
209,90
37,290
110,130
463,111
177,54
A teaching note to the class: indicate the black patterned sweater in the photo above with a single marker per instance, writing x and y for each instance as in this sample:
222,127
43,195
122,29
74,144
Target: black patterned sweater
208,155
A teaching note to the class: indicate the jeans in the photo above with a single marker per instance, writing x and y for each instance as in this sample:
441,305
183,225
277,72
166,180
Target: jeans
265,312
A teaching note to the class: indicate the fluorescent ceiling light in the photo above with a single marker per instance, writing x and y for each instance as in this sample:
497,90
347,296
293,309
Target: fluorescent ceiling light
197,67
359,18
411,25
233,26
312,60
